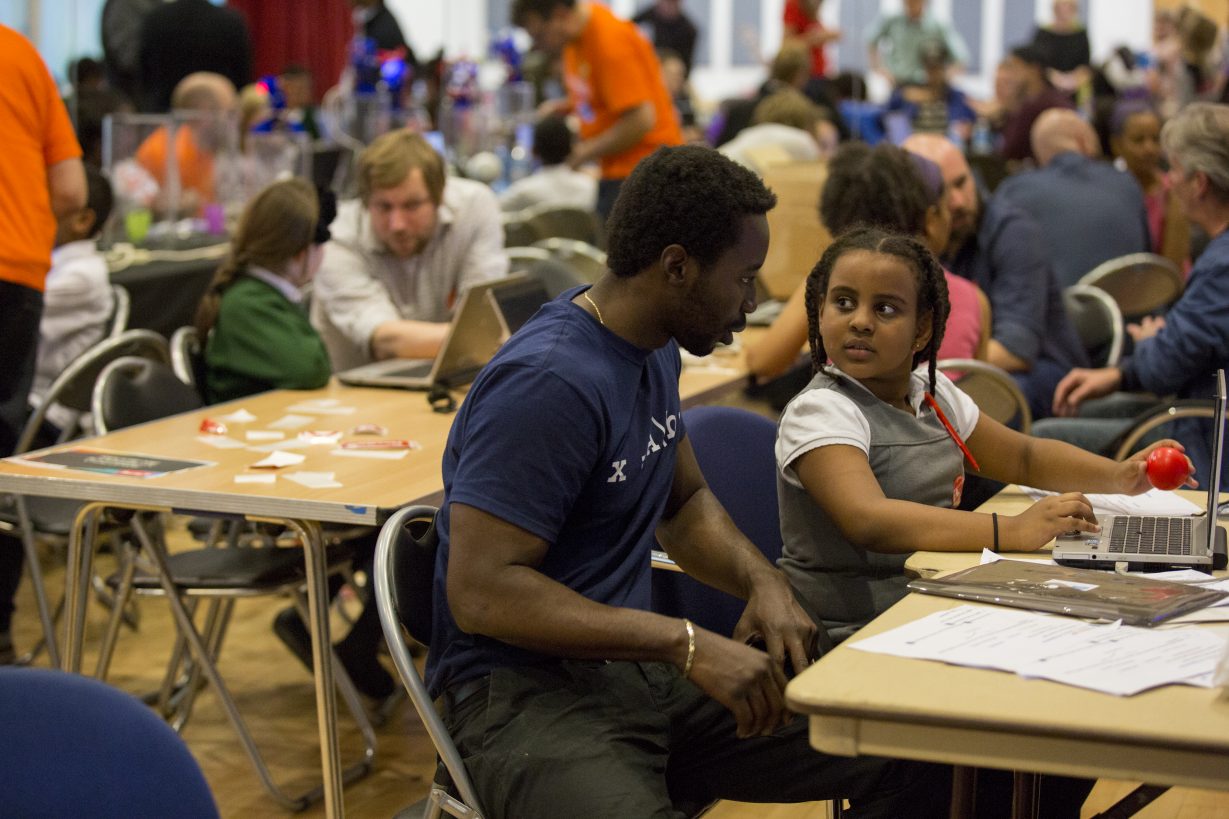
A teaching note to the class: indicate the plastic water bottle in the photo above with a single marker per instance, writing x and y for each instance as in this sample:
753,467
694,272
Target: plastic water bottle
982,143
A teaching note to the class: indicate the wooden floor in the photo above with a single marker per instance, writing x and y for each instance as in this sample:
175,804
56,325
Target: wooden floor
275,693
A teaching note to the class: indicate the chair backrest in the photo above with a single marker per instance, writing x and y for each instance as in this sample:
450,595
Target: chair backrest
736,452
518,232
131,391
121,310
403,573
585,260
994,391
1164,413
1140,283
556,276
549,221
75,746
187,356
1098,321
73,389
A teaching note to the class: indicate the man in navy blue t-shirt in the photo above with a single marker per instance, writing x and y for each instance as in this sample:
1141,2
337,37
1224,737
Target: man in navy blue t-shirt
567,462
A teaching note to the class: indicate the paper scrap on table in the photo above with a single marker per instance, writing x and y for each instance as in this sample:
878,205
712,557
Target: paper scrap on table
275,446
326,406
1114,659
1152,502
264,435
385,454
320,436
239,416
291,421
276,460
260,477
988,556
220,442
313,480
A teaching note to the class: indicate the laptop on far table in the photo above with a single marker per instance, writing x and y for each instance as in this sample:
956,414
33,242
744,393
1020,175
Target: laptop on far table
1153,543
478,327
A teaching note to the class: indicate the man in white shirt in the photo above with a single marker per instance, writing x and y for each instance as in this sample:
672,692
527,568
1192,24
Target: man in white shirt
402,254
556,183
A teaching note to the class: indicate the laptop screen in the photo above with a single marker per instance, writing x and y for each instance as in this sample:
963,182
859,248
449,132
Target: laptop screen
1218,447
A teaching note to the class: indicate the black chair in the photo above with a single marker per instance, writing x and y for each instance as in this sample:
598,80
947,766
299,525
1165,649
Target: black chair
78,747
404,572
1141,283
1163,413
1097,321
551,221
555,275
585,260
188,357
34,518
735,450
133,391
518,232
121,310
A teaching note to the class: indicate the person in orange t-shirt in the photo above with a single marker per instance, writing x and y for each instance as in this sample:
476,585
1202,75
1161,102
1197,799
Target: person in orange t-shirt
41,180
195,142
614,85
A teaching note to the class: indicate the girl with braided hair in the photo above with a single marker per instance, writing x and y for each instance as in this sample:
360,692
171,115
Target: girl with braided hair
872,453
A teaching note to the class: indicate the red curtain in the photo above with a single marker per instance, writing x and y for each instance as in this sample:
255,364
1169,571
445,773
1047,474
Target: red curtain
312,33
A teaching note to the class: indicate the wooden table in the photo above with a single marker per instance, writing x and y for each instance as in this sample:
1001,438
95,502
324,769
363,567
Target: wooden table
371,490
863,703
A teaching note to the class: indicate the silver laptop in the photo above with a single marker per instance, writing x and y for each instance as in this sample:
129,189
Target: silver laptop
1151,543
477,329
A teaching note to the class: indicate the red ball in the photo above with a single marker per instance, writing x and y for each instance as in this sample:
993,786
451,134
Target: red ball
1167,468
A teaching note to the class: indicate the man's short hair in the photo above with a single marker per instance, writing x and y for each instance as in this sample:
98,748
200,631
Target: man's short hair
877,187
99,198
789,107
552,140
789,62
542,8
1197,137
687,195
388,160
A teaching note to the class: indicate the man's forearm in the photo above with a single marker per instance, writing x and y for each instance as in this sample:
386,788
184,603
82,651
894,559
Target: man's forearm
408,339
628,130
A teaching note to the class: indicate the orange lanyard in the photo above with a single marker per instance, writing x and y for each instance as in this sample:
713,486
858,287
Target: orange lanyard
951,430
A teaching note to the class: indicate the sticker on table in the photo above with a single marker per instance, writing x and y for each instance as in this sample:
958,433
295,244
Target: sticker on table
377,454
211,427
110,462
264,435
274,446
323,406
320,436
369,429
388,443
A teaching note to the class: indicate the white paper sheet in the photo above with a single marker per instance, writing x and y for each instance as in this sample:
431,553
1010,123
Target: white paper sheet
1115,659
259,477
1152,502
313,480
276,446
291,421
220,442
264,435
378,454
276,460
239,416
322,407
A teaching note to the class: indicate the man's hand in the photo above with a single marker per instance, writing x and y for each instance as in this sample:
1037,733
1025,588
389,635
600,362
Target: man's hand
743,679
774,615
1045,520
1148,327
1133,474
1079,385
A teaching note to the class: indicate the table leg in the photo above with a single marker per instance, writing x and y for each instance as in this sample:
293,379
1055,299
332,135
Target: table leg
80,566
1024,791
326,694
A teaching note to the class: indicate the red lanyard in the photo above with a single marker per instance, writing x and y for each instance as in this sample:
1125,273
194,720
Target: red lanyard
951,430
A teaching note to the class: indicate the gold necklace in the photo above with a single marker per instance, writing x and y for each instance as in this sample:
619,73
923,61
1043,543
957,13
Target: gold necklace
600,320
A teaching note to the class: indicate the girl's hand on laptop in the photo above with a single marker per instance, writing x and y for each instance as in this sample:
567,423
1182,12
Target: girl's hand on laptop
1047,519
1133,472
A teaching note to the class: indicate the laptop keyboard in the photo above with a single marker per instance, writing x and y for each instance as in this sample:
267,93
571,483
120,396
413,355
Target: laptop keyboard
1151,536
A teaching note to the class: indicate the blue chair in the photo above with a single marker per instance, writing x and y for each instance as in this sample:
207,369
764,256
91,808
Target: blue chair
74,746
735,450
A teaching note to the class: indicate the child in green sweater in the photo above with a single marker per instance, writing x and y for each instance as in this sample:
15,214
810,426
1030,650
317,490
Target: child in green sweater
257,335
